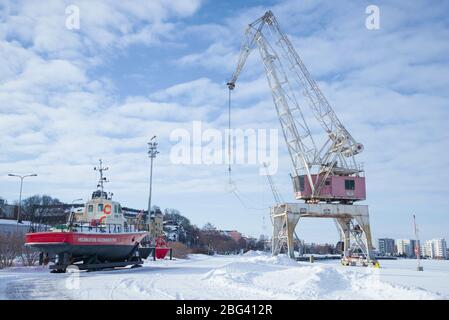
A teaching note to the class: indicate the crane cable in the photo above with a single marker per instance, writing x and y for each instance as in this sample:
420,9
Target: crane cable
232,184
229,137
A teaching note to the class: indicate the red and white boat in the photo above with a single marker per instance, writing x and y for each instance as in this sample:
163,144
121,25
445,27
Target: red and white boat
97,237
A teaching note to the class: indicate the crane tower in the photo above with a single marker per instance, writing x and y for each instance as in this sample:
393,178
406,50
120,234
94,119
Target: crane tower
326,176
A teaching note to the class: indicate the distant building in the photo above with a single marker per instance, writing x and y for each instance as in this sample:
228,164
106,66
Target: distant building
436,249
156,223
428,249
406,247
7,211
386,246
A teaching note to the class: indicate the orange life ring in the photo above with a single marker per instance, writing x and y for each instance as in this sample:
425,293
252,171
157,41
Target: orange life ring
107,209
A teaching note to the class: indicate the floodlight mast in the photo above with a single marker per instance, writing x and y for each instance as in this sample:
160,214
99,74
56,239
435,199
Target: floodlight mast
336,156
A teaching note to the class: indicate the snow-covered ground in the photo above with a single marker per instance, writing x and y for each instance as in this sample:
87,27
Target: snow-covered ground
251,276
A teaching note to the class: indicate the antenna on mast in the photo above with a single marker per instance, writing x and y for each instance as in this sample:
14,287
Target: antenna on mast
102,178
152,152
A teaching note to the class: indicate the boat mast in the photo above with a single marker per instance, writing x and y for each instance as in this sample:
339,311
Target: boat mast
102,178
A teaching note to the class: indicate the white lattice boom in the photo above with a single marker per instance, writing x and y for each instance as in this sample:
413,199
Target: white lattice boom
327,174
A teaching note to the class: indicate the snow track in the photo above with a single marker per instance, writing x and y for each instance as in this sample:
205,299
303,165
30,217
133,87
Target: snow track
250,276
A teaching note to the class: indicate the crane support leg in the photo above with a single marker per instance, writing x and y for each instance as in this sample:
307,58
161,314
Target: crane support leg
352,221
343,225
284,224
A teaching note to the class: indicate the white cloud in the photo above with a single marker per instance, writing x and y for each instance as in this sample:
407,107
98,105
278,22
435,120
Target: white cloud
388,88
197,92
53,115
39,74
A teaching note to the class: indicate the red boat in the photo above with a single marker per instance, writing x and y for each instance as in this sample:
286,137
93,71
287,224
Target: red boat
95,238
106,246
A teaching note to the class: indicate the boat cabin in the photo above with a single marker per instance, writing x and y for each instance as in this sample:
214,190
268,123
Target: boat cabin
101,210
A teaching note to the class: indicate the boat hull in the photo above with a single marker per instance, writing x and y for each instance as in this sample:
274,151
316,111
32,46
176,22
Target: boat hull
106,246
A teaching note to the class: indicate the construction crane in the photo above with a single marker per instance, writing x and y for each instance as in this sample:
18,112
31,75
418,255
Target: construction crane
328,178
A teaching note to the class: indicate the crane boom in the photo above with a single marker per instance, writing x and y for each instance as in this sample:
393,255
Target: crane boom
316,164
329,174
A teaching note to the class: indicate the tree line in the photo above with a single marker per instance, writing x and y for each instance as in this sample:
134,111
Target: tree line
207,239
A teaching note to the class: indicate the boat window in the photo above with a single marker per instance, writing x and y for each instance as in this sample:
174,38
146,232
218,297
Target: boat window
119,209
115,208
349,184
100,207
90,208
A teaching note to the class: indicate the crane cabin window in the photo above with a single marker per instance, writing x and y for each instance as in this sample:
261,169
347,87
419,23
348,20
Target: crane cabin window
349,184
301,183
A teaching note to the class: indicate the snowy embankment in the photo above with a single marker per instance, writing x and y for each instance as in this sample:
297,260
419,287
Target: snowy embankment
250,276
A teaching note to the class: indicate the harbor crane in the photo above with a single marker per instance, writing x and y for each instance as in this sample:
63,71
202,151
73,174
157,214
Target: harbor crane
327,179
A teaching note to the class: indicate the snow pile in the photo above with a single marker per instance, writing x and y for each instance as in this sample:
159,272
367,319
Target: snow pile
252,253
280,260
233,273
14,222
255,275
27,269
267,258
263,276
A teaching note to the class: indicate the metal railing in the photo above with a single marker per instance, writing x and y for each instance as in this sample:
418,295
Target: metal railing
84,226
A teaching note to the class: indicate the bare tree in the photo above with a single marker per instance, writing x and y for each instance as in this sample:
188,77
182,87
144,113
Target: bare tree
11,245
180,250
29,256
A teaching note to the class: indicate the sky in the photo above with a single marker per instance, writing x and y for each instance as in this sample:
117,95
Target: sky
134,69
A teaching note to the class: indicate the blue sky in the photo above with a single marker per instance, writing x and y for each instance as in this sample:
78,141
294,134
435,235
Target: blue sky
135,69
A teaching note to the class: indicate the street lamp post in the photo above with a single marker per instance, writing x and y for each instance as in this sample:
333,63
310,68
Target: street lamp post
152,152
21,187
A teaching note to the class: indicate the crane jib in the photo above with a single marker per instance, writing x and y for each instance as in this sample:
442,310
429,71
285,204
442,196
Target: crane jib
318,165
